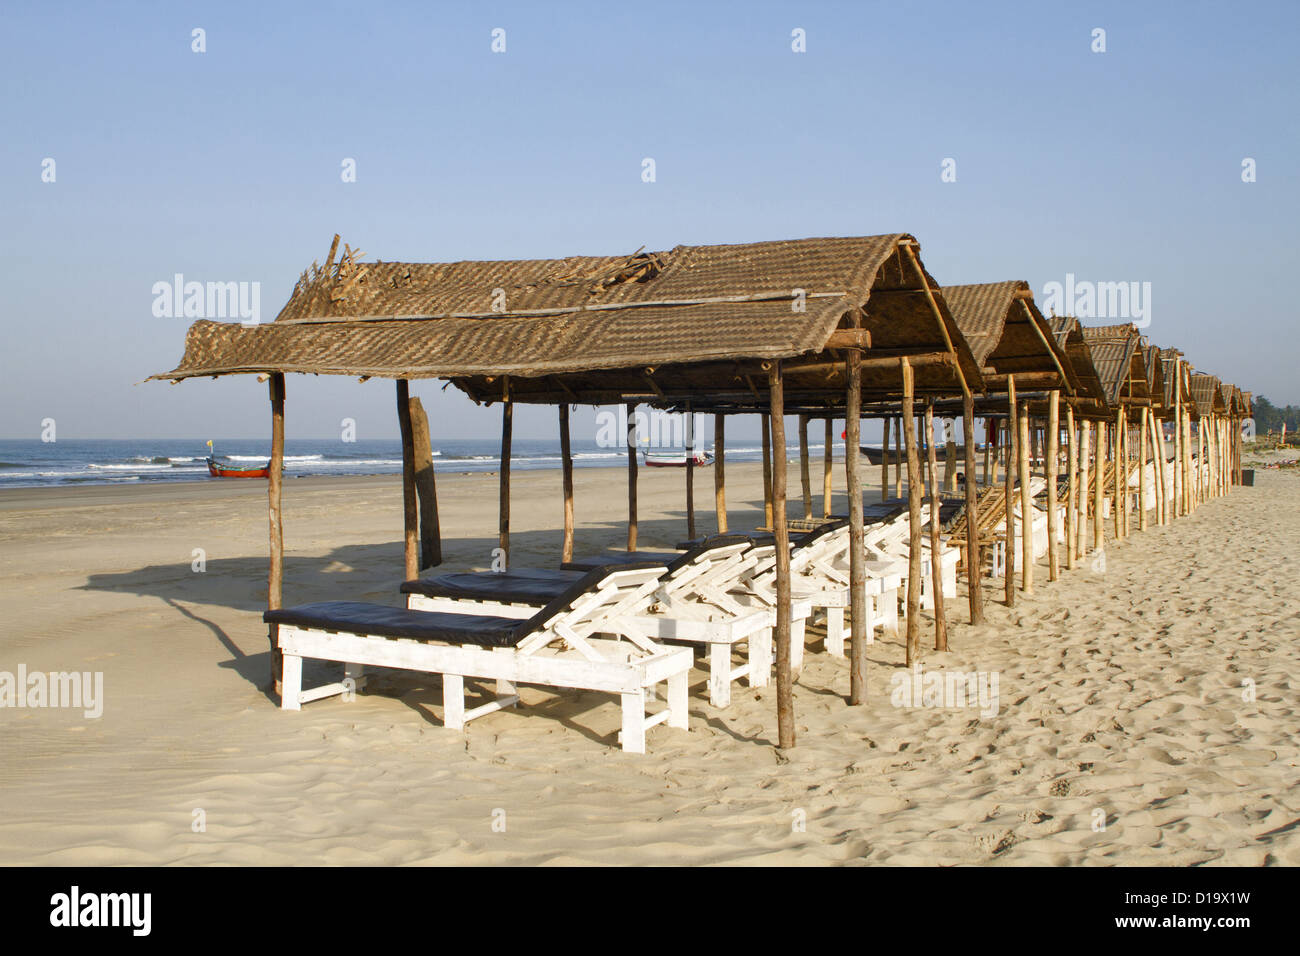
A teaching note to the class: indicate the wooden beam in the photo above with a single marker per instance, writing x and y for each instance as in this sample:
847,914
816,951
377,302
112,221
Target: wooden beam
275,520
784,674
914,519
857,546
938,316
566,469
426,488
849,339
719,471
936,566
974,579
410,511
632,475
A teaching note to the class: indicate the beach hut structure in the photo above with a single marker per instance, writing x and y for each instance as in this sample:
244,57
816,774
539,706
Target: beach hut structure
803,325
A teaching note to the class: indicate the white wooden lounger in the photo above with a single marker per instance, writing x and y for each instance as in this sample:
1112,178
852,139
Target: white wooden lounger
556,646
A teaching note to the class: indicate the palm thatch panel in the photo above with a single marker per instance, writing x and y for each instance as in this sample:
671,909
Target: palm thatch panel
1006,332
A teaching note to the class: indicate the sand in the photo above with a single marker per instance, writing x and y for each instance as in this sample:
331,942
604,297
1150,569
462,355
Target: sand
1121,736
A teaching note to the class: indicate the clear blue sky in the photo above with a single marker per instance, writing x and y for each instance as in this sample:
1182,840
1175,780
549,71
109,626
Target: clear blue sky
225,166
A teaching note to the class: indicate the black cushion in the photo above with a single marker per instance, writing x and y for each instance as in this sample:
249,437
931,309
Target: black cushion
486,630
516,586
673,559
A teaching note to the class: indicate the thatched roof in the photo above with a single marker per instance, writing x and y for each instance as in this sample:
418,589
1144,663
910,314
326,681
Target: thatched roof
1115,353
691,321
1155,370
1168,358
1007,333
1069,335
1209,397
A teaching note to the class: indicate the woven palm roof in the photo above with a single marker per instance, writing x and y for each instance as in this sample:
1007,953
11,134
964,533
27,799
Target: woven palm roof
1069,335
1209,397
1006,332
596,327
1155,369
1120,365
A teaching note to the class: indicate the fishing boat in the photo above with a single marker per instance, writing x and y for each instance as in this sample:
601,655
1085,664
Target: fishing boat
218,471
221,471
876,455
676,459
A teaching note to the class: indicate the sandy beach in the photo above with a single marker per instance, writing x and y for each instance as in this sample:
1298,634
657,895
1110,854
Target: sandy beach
1121,699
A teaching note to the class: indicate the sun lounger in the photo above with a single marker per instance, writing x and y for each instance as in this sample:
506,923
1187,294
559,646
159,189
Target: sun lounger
691,603
556,646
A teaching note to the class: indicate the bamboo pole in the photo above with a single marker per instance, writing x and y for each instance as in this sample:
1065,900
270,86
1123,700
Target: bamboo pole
828,475
1026,507
1053,453
426,488
503,508
1142,470
1178,439
1009,484
1085,460
805,471
884,465
936,569
898,457
914,518
1121,475
974,579
857,546
784,676
566,467
767,470
719,471
275,521
1071,486
988,442
1099,470
410,513
632,475
949,457
690,473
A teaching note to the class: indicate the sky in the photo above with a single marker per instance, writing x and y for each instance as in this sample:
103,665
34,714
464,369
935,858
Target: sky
1122,165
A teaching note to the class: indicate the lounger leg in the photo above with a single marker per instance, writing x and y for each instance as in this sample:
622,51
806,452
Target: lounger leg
835,631
760,657
453,701
291,683
891,613
678,713
797,636
506,688
634,722
720,675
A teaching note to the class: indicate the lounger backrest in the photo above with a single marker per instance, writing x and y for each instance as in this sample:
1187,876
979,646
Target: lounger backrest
603,588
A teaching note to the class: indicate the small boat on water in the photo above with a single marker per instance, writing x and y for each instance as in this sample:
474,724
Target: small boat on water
876,456
219,471
676,459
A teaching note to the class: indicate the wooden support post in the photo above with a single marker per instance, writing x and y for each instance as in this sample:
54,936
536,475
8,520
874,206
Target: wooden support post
719,471
275,520
1098,489
1178,439
988,444
410,510
1009,484
1121,475
936,566
632,475
503,508
1071,487
690,473
1084,493
1142,470
913,517
857,547
426,488
974,580
828,475
784,675
898,457
566,468
1053,453
805,473
1026,507
767,470
884,464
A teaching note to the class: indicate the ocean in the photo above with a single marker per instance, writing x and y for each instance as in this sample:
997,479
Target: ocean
30,463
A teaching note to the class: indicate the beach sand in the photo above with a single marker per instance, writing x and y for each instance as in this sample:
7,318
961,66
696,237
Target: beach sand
1121,700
